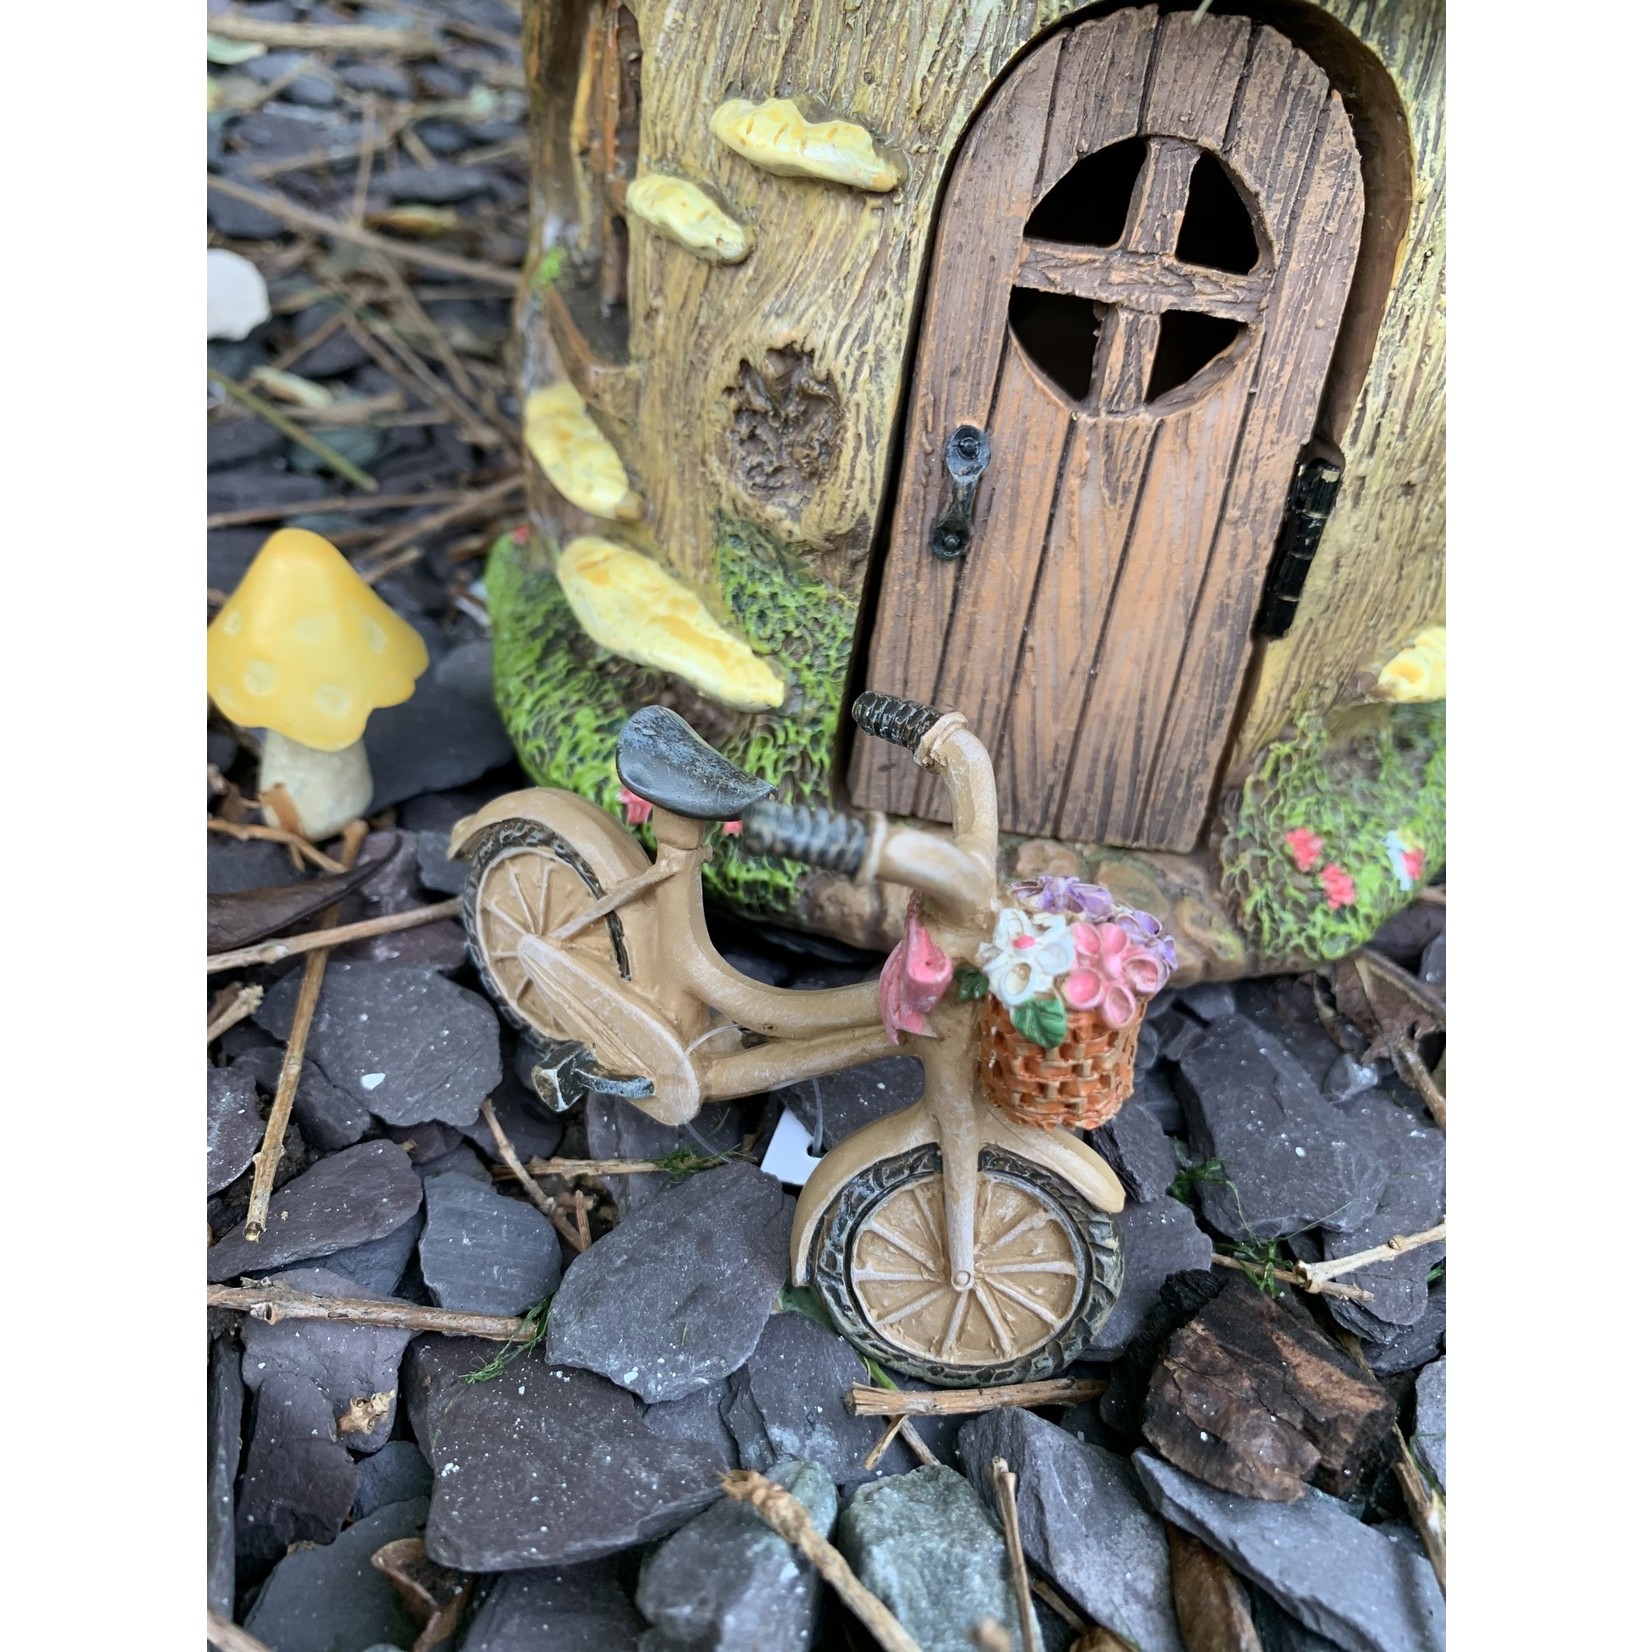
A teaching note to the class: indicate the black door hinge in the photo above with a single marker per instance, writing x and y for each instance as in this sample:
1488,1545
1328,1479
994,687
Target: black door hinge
1313,492
967,453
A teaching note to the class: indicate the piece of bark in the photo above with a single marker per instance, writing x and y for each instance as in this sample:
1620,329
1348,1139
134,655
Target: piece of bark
248,915
1211,1607
1251,1398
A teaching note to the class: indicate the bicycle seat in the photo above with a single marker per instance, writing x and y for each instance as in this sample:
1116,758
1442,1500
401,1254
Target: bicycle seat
664,761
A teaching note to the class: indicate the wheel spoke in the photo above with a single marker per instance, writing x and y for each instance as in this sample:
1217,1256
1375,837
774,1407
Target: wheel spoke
516,889
955,1324
897,1241
1000,1331
1053,1265
544,899
912,1307
1037,1218
1030,1303
497,911
882,1277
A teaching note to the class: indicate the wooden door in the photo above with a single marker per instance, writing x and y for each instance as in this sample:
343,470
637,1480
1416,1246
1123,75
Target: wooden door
1138,190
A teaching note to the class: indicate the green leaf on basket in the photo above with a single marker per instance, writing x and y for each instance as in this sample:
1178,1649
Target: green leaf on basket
1043,1020
971,984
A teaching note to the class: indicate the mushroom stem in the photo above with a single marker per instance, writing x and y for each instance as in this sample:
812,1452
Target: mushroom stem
329,789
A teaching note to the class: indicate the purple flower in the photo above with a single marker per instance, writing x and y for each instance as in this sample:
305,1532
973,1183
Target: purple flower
1048,893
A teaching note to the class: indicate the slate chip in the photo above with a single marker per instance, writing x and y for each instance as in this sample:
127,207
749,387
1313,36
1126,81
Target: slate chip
234,1128
378,1265
346,1199
542,1465
615,1129
1084,1523
437,185
1157,1239
1208,1000
1416,1344
697,1416
1291,1160
346,1362
299,1483
483,1253
1153,1094
1341,1578
557,1609
409,1042
226,1399
321,1599
393,1474
330,1118
841,1103
439,739
676,1296
1430,1433
1135,1145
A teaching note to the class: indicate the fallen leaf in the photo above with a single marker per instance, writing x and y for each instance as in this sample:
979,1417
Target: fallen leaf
1211,1608
437,1594
364,1412
250,915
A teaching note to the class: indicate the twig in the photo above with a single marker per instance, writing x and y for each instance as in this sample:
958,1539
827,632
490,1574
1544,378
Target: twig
398,358
1315,1274
330,506
1288,1275
486,500
782,1513
866,1401
242,1003
230,1637
366,150
1057,1603
272,952
348,37
331,457
990,1635
1417,1075
292,1065
1003,1486
901,1426
543,1203
244,829
595,1167
272,1302
278,206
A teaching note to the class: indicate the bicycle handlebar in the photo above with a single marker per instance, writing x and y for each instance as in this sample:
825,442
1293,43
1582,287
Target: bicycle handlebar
820,837
900,722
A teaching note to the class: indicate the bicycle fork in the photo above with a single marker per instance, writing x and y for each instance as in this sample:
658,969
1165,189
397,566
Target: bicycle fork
950,1094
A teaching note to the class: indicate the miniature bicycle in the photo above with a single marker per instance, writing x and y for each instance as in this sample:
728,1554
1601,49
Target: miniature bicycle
949,1240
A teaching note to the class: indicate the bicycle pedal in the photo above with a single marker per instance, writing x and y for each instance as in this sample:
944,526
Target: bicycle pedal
557,1082
597,1082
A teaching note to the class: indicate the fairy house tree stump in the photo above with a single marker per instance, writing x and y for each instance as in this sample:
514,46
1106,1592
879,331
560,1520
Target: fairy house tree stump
1182,273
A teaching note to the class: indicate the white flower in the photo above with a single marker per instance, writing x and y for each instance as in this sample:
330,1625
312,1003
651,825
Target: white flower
1014,979
1025,955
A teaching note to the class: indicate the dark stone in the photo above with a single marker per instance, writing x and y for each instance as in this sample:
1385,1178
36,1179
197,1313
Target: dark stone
1290,1160
894,1532
1348,1078
378,1265
530,1127
236,441
1285,1010
483,1253
756,966
346,1199
299,1483
426,1143
436,80
1135,1145
676,1296
346,1362
1208,1000
1157,1240
726,1581
329,1117
233,867
408,1041
1344,1580
245,487
696,1416
1429,1436
1416,1344
1178,1034
1084,1523
438,185
436,871
237,219
225,1400
1278,1631
384,78
1147,1046
360,444
433,742
1153,1094
615,1129
1406,935
319,1600
543,1466
229,553
340,352
557,1609
840,1103
395,888
222,749
1432,970
393,1474
462,1160
278,134
234,1128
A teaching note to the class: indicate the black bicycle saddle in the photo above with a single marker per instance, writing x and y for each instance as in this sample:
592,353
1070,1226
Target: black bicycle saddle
663,760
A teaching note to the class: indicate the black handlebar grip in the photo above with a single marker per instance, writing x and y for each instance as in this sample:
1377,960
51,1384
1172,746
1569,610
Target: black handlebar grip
820,837
901,722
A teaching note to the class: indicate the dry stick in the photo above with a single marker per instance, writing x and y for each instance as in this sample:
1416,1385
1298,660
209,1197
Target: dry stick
317,223
1290,1276
782,1513
915,1441
238,1009
419,320
488,499
398,360
865,1401
331,457
1316,1273
331,505
1056,1603
542,1202
1420,1079
281,1108
272,1302
347,37
230,1637
594,1167
366,150
1003,1486
244,829
272,952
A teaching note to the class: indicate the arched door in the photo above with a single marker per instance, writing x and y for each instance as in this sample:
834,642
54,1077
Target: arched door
1141,262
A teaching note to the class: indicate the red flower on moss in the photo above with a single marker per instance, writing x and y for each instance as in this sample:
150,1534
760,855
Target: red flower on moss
1338,886
1414,864
519,534
1305,847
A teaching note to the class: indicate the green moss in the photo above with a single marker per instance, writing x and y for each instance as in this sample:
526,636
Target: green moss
1352,791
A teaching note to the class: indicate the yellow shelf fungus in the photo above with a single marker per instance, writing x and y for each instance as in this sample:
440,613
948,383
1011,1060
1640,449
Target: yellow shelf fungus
777,136
635,608
574,453
1418,672
689,216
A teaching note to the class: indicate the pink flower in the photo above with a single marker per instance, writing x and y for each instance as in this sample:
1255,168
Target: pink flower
637,809
733,828
1338,887
1083,988
1414,864
1305,847
1118,1005
914,980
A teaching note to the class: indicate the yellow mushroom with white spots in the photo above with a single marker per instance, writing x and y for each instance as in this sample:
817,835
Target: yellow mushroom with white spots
305,650
689,216
777,136
574,453
635,608
1418,672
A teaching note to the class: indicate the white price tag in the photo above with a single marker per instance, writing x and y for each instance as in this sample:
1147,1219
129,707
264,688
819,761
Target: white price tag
788,1159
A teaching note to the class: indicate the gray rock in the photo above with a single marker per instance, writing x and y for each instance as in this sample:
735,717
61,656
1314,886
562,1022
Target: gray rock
437,740
1430,1436
236,441
1153,1094
395,888
1278,1631
322,1599
237,219
339,352
542,1465
346,1362
384,78
235,867
925,1545
529,1126
1147,1046
1432,970
1135,1145
1208,1000
299,1483
1348,1078
440,184
379,1264
840,1103
225,1400
676,1296
409,1042
260,485
726,1582
234,1128
1084,1523
360,444
328,1117
557,1609
1285,1010
1178,1035
346,1199
1416,1344
462,1160
426,1143
615,1129
1157,1240
1291,1160
436,871
697,1416
393,1474
483,1253
1344,1580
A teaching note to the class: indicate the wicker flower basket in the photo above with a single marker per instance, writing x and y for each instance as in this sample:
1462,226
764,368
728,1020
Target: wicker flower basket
1079,1084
